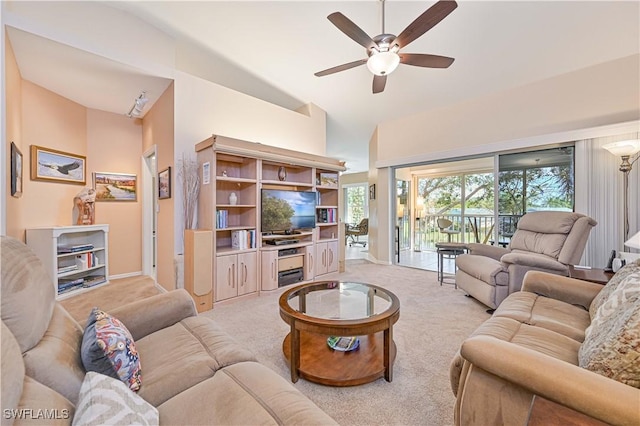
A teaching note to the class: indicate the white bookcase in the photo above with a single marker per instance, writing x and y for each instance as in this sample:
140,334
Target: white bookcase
75,257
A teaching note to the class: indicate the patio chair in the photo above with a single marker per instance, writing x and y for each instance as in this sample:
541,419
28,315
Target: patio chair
444,225
354,232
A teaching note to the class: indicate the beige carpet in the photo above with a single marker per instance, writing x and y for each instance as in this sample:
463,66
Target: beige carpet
433,322
109,296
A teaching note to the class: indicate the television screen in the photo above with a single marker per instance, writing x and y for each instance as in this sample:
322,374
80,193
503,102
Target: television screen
287,210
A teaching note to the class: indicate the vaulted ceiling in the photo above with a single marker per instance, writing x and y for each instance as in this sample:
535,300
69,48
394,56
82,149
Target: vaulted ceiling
271,49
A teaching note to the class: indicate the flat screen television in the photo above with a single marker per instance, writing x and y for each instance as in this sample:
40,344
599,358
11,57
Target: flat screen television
284,210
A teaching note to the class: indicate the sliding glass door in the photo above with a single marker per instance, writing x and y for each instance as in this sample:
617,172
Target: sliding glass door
533,181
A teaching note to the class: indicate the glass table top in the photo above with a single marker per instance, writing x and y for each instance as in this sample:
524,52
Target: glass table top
340,300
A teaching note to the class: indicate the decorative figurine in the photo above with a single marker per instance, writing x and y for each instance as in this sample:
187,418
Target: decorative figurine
84,207
282,173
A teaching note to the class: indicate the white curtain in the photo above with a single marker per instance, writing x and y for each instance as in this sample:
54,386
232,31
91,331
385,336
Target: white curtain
599,194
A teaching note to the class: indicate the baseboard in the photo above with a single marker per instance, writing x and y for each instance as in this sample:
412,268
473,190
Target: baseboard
127,275
160,288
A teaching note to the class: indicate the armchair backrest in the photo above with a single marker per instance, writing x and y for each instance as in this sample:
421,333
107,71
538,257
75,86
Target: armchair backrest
560,235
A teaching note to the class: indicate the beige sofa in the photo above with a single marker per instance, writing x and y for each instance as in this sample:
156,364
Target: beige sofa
572,342
192,371
544,241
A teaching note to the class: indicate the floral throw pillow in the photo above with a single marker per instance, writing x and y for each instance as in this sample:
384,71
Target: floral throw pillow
109,349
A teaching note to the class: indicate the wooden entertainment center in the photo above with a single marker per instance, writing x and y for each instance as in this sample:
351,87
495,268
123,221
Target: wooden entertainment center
246,260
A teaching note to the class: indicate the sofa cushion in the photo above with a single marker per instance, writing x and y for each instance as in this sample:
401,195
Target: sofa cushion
612,285
108,348
25,283
185,354
535,242
55,361
538,339
612,343
483,268
533,309
12,373
246,393
41,405
107,401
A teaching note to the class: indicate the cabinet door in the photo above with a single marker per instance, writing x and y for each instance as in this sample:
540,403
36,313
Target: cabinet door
269,270
332,256
310,262
247,273
321,258
226,277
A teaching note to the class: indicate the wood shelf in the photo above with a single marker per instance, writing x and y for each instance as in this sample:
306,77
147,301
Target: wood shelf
245,168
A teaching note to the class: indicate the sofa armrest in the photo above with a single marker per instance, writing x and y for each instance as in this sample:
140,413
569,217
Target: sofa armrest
565,289
533,261
493,252
558,381
154,313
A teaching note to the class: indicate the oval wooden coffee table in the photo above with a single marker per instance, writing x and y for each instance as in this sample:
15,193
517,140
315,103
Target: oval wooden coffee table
318,310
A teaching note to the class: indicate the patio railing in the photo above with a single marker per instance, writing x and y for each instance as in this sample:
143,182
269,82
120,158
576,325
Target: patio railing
476,228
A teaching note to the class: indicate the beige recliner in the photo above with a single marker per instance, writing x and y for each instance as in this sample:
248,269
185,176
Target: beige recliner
544,241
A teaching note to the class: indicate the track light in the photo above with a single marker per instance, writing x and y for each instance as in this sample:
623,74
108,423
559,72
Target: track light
138,105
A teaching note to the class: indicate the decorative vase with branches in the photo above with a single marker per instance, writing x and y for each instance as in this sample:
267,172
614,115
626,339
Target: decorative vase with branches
190,179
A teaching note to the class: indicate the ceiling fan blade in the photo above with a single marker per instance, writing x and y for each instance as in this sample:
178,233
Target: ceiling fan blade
379,81
425,22
353,31
428,61
340,68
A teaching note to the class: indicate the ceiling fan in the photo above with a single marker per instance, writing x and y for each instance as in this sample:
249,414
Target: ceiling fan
383,50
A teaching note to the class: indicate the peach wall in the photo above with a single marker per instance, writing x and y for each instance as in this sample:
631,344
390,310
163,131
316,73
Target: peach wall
13,98
114,145
158,129
595,96
50,121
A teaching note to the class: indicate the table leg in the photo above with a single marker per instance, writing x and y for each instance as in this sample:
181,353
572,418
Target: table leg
295,353
388,365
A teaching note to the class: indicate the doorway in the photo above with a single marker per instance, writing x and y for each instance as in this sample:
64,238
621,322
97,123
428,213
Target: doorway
150,213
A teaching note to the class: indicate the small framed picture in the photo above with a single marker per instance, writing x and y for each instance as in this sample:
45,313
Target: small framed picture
372,192
164,184
115,186
57,166
16,171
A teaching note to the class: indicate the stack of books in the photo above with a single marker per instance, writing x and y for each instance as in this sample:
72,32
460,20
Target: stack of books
73,248
221,219
66,285
69,268
243,239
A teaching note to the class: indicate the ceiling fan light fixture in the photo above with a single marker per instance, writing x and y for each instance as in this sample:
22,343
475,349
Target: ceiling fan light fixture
383,63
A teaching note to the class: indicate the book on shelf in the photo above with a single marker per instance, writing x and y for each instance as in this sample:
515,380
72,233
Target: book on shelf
92,280
69,268
243,239
69,289
72,248
64,283
221,219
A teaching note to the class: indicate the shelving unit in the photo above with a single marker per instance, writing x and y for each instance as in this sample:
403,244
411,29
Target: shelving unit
244,168
75,257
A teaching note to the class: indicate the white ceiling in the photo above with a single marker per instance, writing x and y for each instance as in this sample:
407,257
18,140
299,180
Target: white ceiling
270,49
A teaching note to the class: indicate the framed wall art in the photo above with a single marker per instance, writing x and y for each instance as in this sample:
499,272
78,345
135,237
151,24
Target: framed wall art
115,186
372,192
164,184
16,171
56,166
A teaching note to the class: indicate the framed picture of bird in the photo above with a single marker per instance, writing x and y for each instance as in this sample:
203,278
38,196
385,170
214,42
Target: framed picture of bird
56,166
